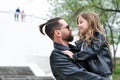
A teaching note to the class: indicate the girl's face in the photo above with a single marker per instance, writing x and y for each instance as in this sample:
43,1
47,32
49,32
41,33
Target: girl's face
82,25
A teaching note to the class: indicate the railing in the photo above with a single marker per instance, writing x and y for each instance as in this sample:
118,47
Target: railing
27,15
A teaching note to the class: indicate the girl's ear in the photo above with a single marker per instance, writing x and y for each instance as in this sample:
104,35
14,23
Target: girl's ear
57,33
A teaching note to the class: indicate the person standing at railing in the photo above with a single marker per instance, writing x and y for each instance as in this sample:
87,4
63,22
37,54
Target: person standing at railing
16,15
22,16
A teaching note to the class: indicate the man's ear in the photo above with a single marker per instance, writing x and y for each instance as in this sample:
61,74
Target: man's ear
57,32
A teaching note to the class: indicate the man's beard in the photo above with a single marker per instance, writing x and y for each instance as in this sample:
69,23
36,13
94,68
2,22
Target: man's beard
69,38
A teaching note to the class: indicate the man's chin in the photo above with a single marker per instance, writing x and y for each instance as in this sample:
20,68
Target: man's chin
71,39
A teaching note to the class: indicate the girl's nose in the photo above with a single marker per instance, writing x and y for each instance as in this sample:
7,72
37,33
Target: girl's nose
78,25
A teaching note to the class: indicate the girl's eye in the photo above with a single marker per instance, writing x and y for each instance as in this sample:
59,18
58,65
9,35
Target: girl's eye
80,22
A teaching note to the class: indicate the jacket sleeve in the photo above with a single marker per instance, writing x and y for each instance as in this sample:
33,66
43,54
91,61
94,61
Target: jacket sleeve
90,51
64,68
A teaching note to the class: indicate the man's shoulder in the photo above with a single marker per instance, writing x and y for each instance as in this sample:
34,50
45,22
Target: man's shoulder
57,54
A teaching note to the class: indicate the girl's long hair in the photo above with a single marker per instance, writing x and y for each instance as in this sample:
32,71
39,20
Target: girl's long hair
94,26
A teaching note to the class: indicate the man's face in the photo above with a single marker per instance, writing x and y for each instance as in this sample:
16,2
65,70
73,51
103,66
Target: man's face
66,31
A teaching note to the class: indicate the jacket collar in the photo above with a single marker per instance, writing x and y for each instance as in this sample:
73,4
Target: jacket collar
60,47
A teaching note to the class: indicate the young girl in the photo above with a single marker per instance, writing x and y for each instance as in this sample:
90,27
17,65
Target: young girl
93,46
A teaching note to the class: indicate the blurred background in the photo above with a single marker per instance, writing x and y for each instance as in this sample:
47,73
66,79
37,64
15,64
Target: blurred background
23,47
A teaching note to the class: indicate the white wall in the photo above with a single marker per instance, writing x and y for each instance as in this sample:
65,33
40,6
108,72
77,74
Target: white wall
21,44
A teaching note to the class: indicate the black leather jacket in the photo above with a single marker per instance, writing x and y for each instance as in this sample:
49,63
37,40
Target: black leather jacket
64,68
96,47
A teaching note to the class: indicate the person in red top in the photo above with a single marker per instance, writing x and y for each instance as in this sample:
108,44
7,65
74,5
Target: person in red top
22,16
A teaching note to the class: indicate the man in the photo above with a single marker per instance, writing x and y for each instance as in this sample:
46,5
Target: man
62,66
17,12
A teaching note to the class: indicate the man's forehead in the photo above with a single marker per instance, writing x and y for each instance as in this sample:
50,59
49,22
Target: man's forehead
63,22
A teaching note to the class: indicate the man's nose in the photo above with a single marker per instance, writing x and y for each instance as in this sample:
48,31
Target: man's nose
70,28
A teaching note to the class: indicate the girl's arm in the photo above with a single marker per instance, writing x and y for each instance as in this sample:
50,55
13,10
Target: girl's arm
90,51
87,52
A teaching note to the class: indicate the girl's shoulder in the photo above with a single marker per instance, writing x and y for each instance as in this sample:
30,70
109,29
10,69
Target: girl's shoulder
78,43
98,35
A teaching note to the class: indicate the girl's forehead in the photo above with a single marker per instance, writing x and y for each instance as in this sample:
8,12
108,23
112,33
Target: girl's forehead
80,18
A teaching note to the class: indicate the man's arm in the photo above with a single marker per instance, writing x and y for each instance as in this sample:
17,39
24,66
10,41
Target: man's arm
68,70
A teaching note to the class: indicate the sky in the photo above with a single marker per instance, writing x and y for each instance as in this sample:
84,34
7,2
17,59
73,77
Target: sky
38,8
31,7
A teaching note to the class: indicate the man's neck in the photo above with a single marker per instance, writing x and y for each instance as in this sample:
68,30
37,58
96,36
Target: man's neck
65,43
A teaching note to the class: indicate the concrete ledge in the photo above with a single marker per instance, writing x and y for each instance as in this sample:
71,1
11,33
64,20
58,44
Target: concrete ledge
27,78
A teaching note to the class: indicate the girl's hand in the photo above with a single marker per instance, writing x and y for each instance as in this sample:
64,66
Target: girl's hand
69,53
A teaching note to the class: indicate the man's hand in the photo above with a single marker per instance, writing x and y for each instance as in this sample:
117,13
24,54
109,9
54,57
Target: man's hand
69,53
